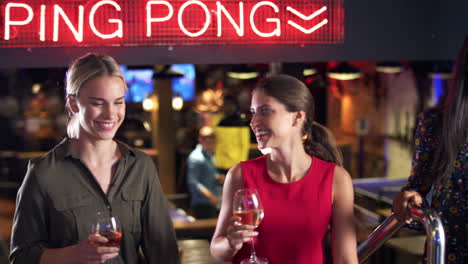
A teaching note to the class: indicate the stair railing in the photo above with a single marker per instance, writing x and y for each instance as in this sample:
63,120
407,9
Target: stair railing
435,235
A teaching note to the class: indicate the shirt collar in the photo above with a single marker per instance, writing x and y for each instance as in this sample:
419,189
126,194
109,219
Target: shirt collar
63,150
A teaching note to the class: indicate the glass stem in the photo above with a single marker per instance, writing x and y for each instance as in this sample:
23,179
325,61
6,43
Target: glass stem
253,255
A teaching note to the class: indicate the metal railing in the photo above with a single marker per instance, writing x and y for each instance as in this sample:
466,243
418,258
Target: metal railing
435,235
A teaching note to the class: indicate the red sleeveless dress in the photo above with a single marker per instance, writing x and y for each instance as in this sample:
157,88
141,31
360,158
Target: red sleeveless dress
297,214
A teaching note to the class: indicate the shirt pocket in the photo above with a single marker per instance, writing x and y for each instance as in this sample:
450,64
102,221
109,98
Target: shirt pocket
67,223
132,202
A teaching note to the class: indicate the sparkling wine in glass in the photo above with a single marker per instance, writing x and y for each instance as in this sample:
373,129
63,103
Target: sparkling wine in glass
249,209
108,226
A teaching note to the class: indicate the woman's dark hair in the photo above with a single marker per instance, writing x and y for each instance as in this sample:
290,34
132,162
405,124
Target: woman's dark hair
293,93
453,133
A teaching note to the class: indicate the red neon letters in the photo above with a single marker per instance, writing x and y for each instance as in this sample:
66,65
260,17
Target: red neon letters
59,13
143,22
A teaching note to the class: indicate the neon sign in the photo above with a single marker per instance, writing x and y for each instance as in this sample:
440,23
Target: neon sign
176,22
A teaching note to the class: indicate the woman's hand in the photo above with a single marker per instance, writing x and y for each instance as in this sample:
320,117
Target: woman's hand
89,250
86,252
237,233
402,204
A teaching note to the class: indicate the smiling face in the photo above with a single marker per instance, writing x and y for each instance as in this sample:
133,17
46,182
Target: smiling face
100,107
272,124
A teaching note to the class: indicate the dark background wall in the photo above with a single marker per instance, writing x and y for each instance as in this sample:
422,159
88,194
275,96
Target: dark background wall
375,30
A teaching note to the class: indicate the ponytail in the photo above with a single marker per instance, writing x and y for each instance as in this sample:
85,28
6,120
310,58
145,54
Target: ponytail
295,96
320,142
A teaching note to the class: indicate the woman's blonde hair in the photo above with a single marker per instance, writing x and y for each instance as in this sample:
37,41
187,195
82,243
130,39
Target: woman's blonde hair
83,69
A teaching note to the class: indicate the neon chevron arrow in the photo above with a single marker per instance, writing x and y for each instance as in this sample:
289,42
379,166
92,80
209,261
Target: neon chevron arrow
299,14
308,31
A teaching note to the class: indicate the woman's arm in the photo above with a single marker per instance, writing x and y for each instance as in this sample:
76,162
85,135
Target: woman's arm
158,238
343,233
417,186
424,144
229,234
29,235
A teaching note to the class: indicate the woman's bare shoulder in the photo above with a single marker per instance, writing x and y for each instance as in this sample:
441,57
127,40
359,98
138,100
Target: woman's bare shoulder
234,176
342,182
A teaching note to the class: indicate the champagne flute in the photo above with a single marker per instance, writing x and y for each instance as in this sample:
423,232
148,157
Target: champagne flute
247,206
108,226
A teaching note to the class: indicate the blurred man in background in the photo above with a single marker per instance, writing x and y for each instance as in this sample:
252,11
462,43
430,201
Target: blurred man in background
201,176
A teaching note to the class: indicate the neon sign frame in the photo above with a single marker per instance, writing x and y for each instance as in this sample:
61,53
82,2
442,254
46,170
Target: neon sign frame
62,23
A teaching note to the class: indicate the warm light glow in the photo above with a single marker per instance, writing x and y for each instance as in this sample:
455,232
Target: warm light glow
242,75
210,100
42,24
389,69
443,76
9,22
77,33
239,28
138,142
310,30
36,88
147,126
207,18
302,16
344,76
309,71
347,114
118,32
150,19
177,103
148,104
277,31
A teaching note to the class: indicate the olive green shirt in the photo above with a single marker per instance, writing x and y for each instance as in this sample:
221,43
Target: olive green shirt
59,199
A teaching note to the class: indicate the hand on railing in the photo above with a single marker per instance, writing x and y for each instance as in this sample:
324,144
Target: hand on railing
402,204
435,235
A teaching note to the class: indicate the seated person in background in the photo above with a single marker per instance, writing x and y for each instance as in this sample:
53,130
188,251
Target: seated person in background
201,176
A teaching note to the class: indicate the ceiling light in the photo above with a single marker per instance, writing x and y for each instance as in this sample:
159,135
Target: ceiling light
242,72
177,103
309,70
344,72
389,67
149,103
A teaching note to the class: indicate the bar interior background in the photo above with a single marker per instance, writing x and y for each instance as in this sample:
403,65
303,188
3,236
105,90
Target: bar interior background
372,115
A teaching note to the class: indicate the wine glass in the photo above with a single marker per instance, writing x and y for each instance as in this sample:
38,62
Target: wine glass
108,226
247,206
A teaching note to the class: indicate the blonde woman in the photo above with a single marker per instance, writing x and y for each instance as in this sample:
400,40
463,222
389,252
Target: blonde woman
90,172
